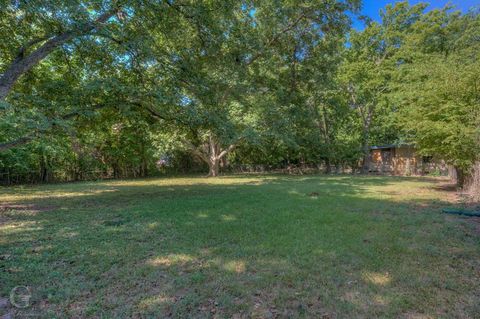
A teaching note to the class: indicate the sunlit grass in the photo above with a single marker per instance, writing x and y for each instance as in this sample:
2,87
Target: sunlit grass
240,246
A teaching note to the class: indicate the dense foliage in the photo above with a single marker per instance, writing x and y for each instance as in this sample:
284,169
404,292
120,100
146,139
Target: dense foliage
133,88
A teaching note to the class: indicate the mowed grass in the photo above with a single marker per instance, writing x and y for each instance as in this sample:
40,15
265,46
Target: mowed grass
240,247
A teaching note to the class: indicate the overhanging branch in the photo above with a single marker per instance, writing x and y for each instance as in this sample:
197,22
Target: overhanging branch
24,63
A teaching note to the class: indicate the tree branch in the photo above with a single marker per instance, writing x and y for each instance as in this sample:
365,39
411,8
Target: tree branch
24,48
23,64
277,36
226,151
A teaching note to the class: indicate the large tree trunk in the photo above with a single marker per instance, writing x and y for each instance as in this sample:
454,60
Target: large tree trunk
213,167
472,186
213,157
212,154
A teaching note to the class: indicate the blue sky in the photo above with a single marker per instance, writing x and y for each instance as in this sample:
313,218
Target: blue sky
372,8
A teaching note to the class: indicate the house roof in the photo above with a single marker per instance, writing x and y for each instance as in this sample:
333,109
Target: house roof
387,146
381,147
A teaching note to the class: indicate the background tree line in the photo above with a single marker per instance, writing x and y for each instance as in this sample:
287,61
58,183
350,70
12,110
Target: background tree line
119,88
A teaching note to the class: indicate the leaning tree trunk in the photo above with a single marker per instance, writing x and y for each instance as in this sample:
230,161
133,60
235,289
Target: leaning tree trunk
25,62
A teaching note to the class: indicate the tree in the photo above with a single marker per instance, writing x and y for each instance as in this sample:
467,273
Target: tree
223,64
51,33
33,31
40,39
370,64
438,87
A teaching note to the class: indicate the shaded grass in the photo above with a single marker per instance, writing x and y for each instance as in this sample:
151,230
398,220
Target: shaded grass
267,246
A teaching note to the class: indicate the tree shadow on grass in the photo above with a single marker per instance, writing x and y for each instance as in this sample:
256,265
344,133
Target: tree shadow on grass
264,247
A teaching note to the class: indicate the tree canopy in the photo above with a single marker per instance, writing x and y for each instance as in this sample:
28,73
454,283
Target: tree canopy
134,87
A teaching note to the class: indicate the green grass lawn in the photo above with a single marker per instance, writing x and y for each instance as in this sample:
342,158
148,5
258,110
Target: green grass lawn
241,247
